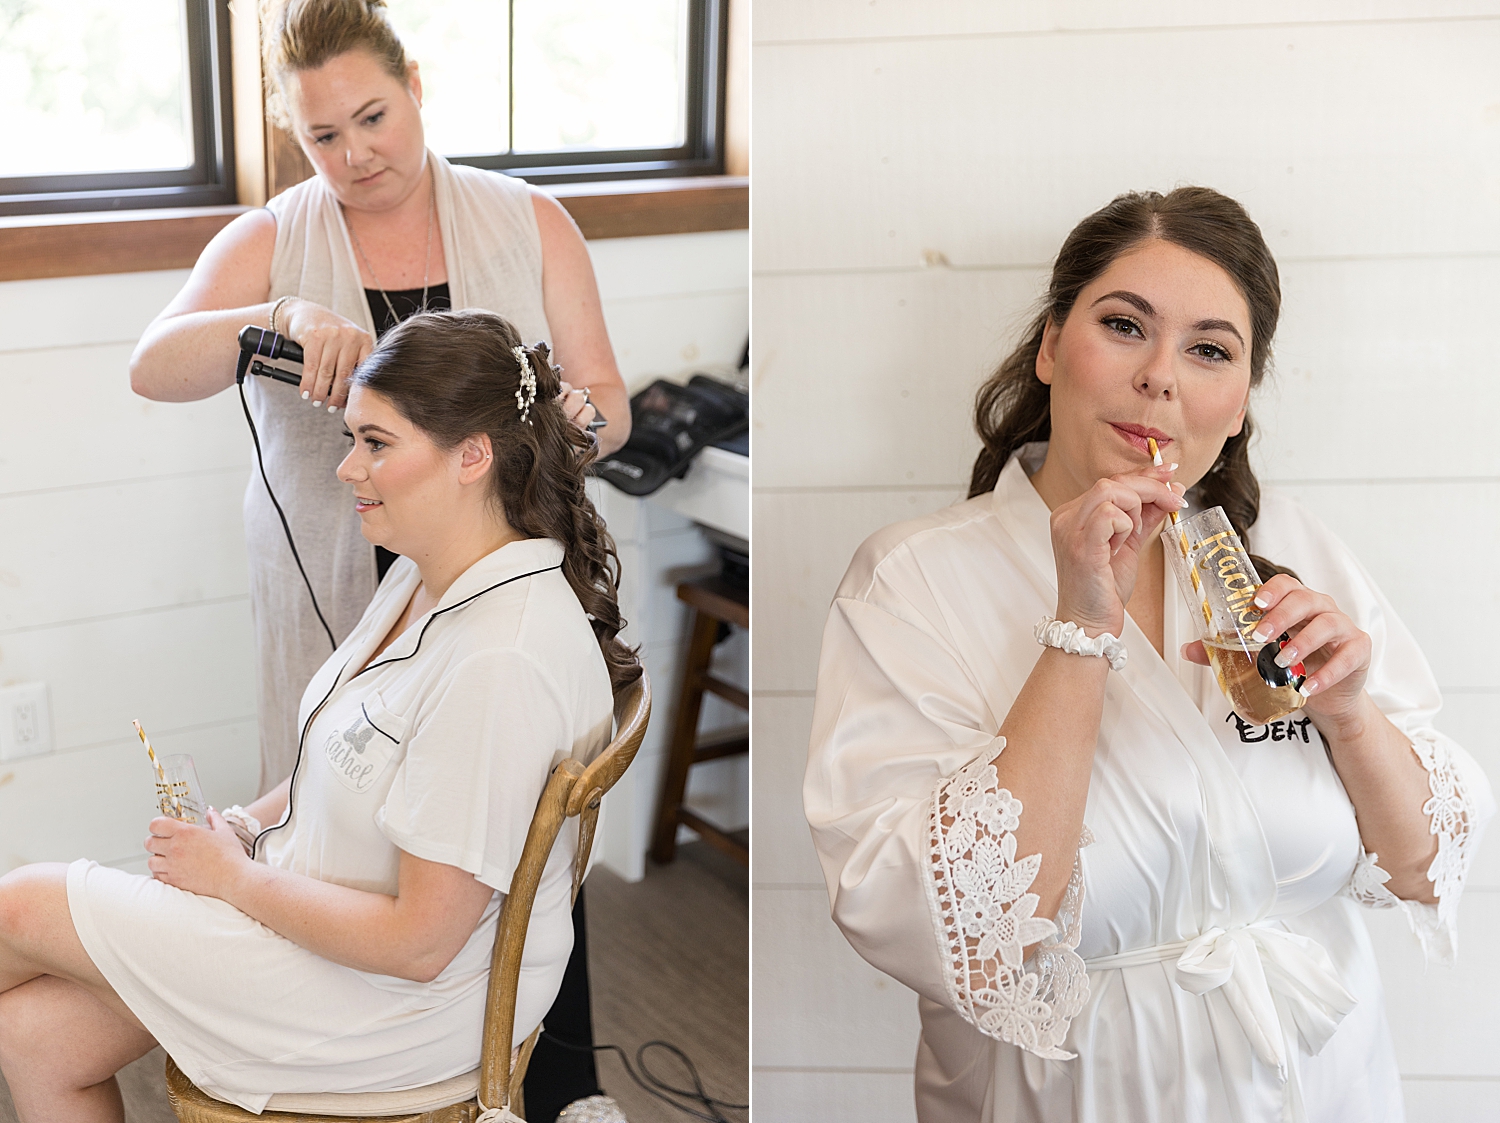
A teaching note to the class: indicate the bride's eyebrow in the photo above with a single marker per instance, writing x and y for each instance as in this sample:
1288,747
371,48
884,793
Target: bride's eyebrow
1132,298
1219,325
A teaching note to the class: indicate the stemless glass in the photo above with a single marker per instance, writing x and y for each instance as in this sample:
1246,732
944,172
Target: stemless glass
1216,576
178,793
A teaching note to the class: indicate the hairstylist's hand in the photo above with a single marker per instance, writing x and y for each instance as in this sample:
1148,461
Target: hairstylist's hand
576,405
331,347
1334,650
1097,540
202,860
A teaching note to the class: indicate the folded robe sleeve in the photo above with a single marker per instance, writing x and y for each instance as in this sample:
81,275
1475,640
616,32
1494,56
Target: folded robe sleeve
477,758
916,836
1459,802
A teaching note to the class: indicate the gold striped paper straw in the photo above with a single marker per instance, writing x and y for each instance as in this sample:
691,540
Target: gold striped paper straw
1208,614
161,776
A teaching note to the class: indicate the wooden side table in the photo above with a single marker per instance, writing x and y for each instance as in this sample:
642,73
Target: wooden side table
713,601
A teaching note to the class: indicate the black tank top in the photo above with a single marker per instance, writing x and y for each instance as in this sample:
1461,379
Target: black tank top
407,303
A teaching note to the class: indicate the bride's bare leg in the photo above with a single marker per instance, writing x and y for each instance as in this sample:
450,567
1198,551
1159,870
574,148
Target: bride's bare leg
64,1032
60,1048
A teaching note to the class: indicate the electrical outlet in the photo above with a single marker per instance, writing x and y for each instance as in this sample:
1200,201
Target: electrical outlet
25,721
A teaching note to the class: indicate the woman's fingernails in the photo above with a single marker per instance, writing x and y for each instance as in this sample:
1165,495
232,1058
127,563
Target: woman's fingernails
333,409
1259,636
305,395
1307,688
1260,601
1171,467
316,404
1286,656
1182,502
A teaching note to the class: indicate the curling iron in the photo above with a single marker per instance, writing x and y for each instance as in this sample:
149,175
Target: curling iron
257,343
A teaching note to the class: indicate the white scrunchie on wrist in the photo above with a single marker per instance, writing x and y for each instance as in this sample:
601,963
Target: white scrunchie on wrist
1068,636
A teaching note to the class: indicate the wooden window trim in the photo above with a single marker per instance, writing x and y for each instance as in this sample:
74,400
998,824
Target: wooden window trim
72,245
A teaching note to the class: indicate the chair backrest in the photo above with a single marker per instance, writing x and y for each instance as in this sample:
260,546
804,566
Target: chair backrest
572,789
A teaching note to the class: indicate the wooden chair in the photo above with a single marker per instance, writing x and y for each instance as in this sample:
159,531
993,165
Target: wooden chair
572,790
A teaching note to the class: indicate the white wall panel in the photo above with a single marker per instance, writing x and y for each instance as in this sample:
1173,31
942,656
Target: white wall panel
1438,595
851,1015
782,1096
108,550
895,358
1332,136
1448,1101
171,669
784,852
671,264
70,420
803,545
1437,1023
83,311
796,20
674,336
1362,391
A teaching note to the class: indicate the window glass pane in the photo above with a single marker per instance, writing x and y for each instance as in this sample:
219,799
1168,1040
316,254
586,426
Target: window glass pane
599,74
93,86
459,47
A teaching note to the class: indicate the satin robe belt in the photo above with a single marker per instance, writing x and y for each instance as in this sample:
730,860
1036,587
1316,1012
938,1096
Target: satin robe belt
1271,977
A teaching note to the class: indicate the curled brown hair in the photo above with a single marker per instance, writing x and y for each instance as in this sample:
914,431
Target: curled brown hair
1014,406
304,34
456,374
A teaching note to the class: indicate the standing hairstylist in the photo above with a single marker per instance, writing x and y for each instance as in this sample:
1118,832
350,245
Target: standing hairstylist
383,220
384,229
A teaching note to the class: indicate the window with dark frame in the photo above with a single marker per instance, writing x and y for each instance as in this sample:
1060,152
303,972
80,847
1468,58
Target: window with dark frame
114,106
559,89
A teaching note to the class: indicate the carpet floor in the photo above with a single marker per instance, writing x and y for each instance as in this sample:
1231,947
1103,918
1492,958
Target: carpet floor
668,960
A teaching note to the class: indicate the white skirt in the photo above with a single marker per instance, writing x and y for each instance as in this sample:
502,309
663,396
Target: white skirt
247,1013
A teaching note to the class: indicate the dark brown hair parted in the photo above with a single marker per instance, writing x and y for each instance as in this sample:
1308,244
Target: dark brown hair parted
304,34
455,374
1014,406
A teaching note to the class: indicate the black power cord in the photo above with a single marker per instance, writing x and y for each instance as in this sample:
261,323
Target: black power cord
658,1087
260,460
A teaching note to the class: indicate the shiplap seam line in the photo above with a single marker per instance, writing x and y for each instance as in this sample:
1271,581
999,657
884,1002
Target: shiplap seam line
684,294
839,489
91,345
129,481
150,610
1361,481
1282,260
1044,32
835,1069
159,734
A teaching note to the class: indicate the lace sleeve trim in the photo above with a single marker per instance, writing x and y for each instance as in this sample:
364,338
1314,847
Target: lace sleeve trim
982,914
1453,820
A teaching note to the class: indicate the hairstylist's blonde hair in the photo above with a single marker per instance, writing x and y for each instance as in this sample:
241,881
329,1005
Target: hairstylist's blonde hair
304,34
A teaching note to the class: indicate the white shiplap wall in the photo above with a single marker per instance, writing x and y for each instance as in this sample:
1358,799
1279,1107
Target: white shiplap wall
122,567
1365,139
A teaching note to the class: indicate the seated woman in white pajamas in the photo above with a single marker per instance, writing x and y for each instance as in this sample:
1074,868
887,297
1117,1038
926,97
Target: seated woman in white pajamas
351,952
1116,899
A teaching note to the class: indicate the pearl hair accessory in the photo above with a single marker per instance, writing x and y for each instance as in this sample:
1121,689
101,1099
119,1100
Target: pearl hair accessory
1068,636
526,392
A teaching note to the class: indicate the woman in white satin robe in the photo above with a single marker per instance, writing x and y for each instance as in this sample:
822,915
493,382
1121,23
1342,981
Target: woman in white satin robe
1205,960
